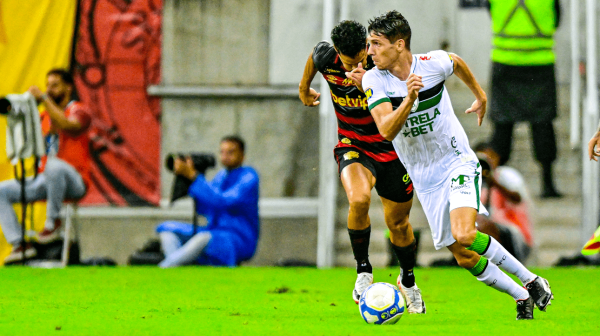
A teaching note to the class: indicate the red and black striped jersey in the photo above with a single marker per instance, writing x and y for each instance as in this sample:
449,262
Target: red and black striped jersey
356,126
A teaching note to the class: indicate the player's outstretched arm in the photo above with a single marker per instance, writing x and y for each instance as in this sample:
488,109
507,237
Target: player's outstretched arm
594,146
462,71
390,121
308,95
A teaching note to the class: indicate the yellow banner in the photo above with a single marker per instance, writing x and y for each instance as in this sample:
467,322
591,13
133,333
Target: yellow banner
35,37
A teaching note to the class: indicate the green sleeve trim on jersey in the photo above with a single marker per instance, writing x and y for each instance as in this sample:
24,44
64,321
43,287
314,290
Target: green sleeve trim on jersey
429,103
477,189
382,100
479,267
481,243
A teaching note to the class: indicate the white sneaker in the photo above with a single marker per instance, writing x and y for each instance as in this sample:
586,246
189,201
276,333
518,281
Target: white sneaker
363,280
17,253
412,296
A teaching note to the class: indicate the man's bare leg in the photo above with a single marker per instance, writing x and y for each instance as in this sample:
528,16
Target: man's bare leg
404,245
358,182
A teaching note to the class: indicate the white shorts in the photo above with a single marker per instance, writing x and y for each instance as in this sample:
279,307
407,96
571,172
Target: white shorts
461,189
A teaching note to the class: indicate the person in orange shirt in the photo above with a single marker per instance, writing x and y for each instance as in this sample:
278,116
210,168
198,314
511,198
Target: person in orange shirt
66,170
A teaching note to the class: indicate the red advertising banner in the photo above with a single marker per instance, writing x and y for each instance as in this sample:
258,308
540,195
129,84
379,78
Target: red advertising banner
117,56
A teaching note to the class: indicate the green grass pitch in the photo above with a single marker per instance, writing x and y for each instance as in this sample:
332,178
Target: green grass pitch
274,301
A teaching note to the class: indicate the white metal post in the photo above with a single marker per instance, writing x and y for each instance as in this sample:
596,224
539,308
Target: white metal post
327,170
590,121
575,134
345,10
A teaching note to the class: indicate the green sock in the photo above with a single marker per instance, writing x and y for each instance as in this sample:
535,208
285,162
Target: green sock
479,267
480,244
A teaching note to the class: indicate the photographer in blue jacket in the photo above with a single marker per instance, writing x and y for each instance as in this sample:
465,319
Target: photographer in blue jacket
230,204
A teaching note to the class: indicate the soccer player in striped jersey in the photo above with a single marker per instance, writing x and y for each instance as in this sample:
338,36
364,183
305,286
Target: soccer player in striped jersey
365,159
412,108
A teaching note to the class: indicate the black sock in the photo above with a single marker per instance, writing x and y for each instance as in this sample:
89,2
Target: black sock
407,257
359,239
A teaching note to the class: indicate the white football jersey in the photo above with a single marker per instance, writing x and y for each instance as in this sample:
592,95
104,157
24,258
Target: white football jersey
432,142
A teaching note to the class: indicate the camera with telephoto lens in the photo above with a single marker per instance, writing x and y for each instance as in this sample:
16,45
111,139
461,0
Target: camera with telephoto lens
5,106
202,161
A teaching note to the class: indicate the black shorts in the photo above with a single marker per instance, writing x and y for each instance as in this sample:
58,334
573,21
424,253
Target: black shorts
391,179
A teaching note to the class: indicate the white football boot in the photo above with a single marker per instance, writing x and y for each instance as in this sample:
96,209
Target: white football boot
412,296
363,280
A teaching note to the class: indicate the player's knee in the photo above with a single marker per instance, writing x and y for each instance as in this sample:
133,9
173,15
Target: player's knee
398,224
359,202
465,238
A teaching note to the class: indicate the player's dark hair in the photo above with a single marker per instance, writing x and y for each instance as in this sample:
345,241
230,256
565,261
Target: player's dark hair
349,37
235,139
64,75
391,25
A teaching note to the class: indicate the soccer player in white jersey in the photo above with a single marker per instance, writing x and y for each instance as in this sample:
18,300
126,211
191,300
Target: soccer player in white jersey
412,108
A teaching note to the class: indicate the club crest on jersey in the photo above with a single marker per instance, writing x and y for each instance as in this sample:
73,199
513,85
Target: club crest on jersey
415,105
460,182
406,178
369,93
339,80
331,79
346,141
351,155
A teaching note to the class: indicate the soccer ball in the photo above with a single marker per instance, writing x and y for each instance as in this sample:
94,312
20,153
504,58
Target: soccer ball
381,303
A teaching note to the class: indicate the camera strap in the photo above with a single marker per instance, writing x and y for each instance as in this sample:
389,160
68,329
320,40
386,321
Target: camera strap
195,219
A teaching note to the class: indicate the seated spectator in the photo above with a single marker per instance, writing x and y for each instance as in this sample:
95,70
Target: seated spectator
506,197
230,204
66,170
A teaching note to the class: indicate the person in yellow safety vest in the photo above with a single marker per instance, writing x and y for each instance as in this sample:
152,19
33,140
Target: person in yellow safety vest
523,81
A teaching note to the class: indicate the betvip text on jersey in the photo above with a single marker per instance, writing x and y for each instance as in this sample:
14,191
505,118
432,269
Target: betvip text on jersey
350,102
